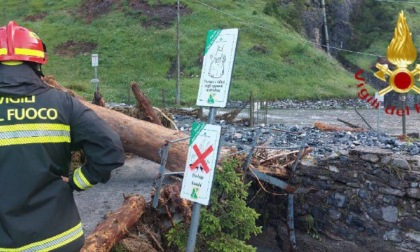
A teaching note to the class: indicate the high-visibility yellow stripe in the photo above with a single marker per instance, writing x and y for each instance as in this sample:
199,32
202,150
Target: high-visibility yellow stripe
34,126
80,180
3,51
12,63
32,140
49,244
29,52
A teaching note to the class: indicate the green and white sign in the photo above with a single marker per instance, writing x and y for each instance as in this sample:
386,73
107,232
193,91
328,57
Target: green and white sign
201,162
216,72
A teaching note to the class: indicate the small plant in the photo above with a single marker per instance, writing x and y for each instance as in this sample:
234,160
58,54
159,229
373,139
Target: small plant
227,222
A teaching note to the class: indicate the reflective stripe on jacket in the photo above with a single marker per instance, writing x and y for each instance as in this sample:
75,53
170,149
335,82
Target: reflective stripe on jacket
39,128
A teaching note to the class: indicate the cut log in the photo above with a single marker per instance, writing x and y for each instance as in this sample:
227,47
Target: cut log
329,127
139,137
116,226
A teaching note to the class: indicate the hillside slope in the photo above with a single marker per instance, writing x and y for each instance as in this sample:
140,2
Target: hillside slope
136,41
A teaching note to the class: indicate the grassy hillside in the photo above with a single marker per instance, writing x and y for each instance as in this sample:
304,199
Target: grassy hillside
136,41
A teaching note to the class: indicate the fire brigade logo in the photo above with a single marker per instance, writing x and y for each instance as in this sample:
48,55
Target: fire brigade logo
402,53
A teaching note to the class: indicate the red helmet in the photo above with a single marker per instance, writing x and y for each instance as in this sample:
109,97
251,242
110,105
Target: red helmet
20,44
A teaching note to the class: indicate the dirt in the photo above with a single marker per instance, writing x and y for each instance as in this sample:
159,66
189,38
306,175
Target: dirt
73,48
161,16
91,9
36,17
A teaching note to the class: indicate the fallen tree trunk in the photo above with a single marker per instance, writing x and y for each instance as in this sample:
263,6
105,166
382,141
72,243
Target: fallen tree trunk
139,137
145,138
116,226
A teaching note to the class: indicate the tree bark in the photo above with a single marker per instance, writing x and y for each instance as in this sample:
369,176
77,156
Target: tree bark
139,137
116,226
145,139
145,105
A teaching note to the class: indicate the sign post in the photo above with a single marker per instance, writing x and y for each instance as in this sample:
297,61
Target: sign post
380,99
202,157
95,63
217,68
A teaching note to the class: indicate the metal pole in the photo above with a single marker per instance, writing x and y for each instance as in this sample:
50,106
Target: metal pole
195,219
163,161
404,104
251,110
96,78
178,81
290,200
379,113
327,40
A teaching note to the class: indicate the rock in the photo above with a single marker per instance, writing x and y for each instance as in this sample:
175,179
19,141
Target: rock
373,158
411,223
400,162
394,235
338,200
333,168
413,193
390,214
391,191
413,236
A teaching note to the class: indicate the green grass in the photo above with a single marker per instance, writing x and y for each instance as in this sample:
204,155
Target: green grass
290,68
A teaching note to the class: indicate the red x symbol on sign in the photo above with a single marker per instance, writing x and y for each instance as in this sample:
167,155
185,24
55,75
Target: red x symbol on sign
201,157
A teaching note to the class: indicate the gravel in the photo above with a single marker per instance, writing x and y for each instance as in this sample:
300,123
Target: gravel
286,125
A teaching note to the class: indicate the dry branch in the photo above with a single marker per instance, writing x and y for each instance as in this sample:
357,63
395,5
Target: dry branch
116,226
348,124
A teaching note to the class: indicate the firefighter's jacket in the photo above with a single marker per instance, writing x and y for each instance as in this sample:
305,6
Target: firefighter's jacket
39,127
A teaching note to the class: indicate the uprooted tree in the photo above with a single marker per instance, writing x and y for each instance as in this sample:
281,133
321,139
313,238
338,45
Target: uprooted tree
219,221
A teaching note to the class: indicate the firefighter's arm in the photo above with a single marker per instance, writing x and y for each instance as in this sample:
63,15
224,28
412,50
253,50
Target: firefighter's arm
101,145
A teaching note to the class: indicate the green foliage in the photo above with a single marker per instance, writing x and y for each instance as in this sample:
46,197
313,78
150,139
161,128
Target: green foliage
130,52
287,12
219,222
370,21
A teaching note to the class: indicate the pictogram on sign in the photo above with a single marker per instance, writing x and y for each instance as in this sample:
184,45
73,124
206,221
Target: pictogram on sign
201,162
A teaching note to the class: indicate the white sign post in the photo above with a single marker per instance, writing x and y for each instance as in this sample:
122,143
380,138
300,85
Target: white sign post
201,162
216,75
217,67
95,63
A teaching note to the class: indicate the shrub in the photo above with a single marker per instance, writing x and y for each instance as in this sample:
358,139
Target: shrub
227,222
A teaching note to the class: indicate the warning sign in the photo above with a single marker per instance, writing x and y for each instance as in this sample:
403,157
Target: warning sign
216,72
201,161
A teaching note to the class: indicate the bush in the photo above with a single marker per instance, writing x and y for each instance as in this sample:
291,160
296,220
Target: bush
227,222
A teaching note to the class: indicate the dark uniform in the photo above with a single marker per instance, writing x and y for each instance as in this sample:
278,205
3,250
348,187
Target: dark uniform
39,127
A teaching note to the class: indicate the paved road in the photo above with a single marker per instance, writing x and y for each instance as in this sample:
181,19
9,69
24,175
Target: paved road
135,177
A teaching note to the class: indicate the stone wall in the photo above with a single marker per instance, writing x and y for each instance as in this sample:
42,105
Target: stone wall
368,196
363,195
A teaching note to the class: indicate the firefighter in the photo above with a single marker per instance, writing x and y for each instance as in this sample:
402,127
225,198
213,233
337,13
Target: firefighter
39,127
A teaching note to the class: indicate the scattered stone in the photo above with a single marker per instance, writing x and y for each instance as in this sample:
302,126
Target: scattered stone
390,213
413,193
394,235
